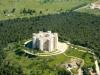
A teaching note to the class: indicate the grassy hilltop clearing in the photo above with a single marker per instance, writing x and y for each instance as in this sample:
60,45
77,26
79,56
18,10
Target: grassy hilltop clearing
21,8
50,65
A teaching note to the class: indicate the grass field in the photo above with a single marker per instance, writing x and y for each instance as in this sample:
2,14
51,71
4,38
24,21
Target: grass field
88,10
29,64
43,6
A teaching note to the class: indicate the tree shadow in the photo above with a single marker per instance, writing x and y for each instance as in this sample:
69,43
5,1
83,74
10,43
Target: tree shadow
29,45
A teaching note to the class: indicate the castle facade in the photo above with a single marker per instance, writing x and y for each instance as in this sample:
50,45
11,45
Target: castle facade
45,41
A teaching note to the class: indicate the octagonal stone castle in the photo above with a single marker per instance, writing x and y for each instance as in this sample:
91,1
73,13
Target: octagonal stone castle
45,41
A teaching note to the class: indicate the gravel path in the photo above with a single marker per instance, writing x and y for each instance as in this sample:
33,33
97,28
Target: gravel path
62,47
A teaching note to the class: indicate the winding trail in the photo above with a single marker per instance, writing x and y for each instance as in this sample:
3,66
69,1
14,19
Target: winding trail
95,59
74,57
81,7
27,42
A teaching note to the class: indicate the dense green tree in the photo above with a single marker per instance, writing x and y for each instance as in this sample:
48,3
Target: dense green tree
7,68
78,28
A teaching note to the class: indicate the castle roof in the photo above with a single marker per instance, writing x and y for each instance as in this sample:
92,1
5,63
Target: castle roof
44,35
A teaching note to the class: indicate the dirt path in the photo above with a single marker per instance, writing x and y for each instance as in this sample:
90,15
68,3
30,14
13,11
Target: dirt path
81,8
80,72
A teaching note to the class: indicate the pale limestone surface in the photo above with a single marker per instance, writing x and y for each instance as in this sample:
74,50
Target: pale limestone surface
45,41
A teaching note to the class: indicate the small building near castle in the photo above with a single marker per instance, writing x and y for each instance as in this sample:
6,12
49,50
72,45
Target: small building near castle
45,41
95,5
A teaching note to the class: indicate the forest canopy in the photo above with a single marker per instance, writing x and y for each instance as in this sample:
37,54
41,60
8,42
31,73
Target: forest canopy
78,28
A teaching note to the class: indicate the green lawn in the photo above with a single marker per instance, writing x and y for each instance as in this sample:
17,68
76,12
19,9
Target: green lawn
46,6
29,64
59,59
